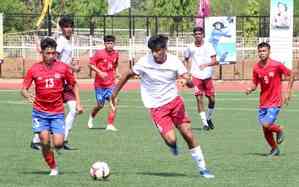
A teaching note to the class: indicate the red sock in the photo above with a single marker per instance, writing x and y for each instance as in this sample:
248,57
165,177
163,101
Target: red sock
269,138
111,117
274,128
49,158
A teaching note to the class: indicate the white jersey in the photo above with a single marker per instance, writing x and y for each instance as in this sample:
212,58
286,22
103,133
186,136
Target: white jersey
200,55
65,50
158,81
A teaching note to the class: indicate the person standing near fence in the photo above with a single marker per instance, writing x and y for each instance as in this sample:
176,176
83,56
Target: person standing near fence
200,57
65,54
268,74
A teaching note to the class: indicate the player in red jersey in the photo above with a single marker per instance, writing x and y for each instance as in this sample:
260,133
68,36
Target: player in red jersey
268,74
104,63
49,77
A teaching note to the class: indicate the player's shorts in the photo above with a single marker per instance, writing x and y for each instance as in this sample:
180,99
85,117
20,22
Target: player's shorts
268,115
103,94
42,121
169,115
68,94
203,87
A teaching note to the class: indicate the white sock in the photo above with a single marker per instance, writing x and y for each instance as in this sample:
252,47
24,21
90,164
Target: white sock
90,120
198,157
203,118
35,138
209,113
70,118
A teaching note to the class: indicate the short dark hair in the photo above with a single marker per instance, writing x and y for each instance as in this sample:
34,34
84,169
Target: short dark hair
109,38
157,42
263,44
198,29
66,21
48,43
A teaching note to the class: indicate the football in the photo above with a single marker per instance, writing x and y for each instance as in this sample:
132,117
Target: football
99,170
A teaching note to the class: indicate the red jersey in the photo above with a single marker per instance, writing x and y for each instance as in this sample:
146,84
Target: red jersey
105,62
49,84
270,79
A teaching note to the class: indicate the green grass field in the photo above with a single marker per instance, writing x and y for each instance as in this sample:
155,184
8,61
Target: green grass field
234,151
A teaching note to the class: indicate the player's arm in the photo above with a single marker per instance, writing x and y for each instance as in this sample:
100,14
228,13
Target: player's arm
212,63
288,94
98,71
251,88
124,79
76,91
185,80
25,87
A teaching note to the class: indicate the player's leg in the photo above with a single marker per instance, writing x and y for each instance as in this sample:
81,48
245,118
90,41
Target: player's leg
99,93
267,117
162,120
198,92
273,127
57,127
201,111
210,94
183,124
69,122
41,125
111,114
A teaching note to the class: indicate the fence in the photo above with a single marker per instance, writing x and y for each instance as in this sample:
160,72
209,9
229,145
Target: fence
19,46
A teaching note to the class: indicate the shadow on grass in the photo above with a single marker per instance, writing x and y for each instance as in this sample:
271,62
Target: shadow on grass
98,128
46,172
162,174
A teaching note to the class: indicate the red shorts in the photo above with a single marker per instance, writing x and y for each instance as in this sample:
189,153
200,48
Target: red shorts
170,114
68,95
203,87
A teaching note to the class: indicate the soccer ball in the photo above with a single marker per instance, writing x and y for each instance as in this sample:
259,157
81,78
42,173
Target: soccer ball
99,170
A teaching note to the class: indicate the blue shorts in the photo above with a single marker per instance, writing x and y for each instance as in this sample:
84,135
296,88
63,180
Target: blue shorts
103,94
268,115
42,121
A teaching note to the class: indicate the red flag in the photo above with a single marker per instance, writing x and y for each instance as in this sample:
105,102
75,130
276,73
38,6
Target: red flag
203,10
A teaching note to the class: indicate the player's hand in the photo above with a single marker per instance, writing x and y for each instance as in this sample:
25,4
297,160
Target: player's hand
287,98
203,66
30,98
79,109
103,75
248,91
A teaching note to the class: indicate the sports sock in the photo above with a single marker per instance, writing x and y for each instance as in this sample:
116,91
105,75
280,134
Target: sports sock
111,117
203,118
209,113
70,118
274,128
198,157
48,155
35,138
269,138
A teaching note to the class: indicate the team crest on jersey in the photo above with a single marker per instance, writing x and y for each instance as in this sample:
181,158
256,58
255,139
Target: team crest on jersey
271,74
39,78
57,76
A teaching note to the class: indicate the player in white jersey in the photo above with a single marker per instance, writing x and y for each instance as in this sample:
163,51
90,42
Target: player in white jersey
158,72
65,54
200,57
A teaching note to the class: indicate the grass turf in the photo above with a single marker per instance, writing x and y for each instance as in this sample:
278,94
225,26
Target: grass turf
137,156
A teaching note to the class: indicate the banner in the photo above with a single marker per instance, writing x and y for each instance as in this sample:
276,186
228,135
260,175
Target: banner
281,31
203,10
221,33
115,6
46,8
